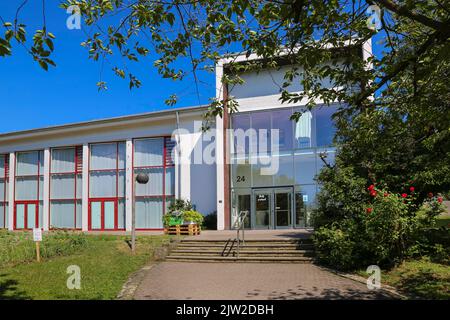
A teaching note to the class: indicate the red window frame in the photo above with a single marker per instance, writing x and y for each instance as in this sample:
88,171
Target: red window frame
25,218
4,202
116,199
38,176
168,162
78,160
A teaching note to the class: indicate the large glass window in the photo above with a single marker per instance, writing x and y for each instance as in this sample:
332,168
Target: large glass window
107,186
4,179
29,182
66,187
295,156
153,157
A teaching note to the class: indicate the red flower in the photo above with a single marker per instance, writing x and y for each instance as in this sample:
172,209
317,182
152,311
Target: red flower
369,210
404,195
440,199
411,189
386,194
430,194
373,193
371,187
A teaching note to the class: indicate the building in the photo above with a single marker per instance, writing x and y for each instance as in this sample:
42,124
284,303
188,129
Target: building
80,176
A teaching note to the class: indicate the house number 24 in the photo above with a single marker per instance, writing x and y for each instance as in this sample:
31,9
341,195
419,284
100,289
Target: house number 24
240,178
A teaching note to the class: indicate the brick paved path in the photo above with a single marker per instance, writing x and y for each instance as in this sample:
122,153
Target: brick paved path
243,281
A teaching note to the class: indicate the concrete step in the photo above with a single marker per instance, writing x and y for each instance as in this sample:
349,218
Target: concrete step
255,253
246,245
267,241
241,259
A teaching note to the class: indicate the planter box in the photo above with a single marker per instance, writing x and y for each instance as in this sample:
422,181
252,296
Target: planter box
183,230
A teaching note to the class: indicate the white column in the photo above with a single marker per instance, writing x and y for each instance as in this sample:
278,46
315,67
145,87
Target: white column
129,184
85,192
219,153
11,198
45,193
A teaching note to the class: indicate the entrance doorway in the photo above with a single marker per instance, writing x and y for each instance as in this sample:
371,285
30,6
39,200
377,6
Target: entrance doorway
103,214
26,215
272,208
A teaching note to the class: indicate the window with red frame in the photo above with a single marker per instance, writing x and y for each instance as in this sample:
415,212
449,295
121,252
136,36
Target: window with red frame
107,186
66,168
4,181
153,156
29,182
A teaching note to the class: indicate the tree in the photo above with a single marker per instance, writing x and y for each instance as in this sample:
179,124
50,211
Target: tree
203,30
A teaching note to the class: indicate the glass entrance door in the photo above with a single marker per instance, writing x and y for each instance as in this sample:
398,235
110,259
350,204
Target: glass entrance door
262,200
272,208
26,215
283,208
103,215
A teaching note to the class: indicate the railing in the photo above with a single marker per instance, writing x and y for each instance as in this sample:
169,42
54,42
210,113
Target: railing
239,226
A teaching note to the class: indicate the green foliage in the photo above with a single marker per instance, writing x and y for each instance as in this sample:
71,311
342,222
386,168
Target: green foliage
193,216
183,211
373,226
18,247
334,247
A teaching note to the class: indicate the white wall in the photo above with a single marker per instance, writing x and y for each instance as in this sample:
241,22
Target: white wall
196,182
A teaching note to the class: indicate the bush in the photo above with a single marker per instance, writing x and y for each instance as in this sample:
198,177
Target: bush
356,228
192,216
334,247
210,221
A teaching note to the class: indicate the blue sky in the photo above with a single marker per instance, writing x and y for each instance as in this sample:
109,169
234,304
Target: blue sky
32,97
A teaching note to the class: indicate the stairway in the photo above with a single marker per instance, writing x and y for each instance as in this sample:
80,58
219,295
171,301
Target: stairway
262,251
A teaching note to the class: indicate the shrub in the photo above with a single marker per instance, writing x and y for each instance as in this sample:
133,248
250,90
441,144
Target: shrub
375,227
210,221
334,247
192,216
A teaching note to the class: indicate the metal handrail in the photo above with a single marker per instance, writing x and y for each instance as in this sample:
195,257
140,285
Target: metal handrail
240,226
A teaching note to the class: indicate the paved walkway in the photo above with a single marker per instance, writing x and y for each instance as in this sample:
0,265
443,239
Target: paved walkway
247,281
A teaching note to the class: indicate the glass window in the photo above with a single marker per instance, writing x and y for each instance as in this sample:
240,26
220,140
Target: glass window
149,213
325,125
2,165
241,173
65,188
155,185
148,152
304,130
305,166
241,135
260,177
285,173
103,184
103,156
261,122
281,121
63,160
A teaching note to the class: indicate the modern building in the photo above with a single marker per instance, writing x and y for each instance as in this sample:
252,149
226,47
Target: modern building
80,176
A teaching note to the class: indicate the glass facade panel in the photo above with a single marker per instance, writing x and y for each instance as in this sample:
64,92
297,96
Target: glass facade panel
296,162
149,212
103,156
305,166
26,188
325,126
62,186
63,160
103,184
148,152
62,214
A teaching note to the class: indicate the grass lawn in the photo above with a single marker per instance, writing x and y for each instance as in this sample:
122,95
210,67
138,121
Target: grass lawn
105,263
420,278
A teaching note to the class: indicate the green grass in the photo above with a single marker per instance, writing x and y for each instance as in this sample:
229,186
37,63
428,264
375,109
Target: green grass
105,263
419,278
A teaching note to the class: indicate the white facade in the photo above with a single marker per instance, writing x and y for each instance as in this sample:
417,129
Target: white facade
208,183
193,182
